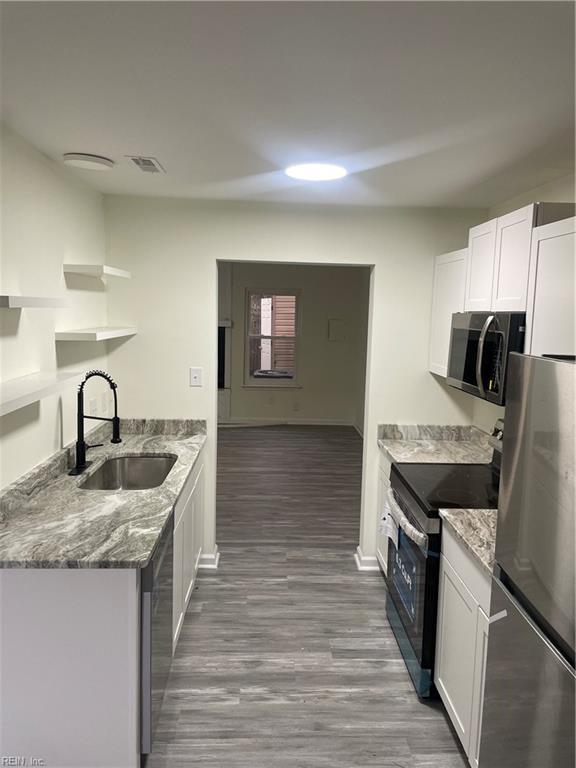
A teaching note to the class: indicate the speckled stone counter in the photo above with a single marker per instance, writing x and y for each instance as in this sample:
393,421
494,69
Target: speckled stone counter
48,521
430,443
476,529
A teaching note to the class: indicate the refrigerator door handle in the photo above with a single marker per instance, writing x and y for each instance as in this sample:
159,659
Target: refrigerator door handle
480,354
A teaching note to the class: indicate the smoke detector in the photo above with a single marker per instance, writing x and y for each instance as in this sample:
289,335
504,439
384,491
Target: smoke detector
147,164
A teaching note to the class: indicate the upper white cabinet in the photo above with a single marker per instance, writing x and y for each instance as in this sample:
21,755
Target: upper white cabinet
480,266
448,297
499,257
512,260
551,290
224,293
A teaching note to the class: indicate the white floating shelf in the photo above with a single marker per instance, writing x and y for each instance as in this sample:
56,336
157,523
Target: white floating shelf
31,302
17,393
95,334
96,270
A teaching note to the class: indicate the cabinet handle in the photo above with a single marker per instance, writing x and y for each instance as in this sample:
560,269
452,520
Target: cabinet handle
480,354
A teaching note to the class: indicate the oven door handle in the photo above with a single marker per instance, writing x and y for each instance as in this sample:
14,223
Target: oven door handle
410,530
480,354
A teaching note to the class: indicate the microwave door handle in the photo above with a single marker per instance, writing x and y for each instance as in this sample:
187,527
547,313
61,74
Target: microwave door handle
413,533
480,354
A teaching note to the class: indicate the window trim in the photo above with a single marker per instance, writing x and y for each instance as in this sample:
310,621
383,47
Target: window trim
271,383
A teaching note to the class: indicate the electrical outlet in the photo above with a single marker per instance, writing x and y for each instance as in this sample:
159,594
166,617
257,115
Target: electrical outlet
104,402
296,406
93,407
196,377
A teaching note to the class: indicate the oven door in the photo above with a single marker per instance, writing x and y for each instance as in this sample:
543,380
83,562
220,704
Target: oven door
412,579
478,350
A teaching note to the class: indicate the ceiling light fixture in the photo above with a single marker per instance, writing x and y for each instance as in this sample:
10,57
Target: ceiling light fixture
88,162
316,172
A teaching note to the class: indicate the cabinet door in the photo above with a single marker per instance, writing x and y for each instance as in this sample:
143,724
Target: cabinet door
447,298
455,649
198,518
510,284
482,625
382,538
177,584
189,550
550,312
480,266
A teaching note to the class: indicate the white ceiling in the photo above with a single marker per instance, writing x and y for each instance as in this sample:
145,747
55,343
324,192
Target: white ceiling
451,103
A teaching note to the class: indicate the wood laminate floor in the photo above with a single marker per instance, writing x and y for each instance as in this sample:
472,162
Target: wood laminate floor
286,659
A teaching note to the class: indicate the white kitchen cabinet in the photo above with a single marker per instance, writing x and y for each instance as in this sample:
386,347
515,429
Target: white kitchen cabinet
512,260
224,293
198,518
480,266
447,298
383,486
461,640
188,523
550,322
455,649
482,625
178,581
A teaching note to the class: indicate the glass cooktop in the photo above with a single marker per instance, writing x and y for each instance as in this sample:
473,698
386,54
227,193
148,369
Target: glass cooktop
442,486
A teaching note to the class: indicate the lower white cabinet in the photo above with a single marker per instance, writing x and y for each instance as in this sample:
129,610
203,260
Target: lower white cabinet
383,486
188,523
462,640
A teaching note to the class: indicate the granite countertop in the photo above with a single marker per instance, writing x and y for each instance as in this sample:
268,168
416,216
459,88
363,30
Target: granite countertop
431,443
476,529
47,521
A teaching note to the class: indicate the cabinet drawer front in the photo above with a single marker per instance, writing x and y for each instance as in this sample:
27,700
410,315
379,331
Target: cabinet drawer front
464,563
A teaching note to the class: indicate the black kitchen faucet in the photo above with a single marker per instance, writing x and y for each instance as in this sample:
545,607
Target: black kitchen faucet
81,446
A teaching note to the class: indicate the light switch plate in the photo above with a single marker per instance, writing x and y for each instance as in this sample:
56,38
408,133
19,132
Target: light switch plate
196,377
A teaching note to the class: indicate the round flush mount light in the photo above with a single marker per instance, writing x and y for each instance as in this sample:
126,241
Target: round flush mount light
88,162
316,172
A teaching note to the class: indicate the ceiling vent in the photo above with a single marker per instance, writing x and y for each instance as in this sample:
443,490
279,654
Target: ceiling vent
147,164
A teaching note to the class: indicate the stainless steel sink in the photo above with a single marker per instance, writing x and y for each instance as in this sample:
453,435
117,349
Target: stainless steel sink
130,473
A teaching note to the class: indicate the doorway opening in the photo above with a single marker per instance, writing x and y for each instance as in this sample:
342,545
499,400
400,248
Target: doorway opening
292,349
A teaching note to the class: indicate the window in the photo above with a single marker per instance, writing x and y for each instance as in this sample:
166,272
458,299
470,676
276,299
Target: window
271,338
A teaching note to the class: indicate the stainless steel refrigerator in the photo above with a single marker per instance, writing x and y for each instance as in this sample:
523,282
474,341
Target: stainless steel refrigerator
529,713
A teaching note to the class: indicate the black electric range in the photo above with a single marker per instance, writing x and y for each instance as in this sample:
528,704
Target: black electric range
454,486
418,492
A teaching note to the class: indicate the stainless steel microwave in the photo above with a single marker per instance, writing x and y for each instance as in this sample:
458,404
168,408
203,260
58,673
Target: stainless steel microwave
480,343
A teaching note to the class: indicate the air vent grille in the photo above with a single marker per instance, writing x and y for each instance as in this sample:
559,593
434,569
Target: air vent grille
147,164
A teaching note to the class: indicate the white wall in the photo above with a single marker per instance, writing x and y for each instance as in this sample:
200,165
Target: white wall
48,217
330,374
172,247
558,191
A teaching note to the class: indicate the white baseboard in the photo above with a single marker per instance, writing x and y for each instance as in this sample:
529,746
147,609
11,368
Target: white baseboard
210,560
257,421
364,563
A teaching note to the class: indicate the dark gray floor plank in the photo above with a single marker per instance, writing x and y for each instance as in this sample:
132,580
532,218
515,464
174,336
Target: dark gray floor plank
286,659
